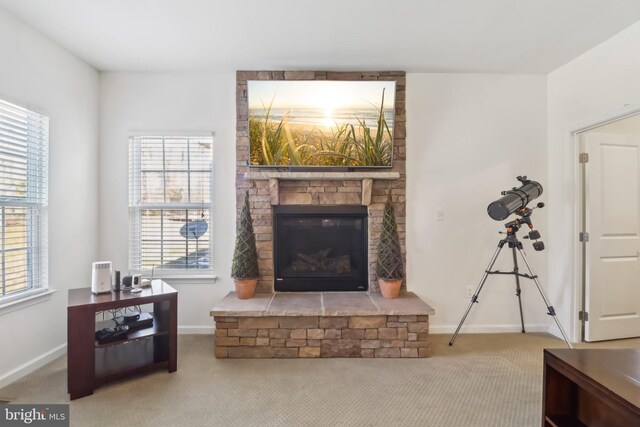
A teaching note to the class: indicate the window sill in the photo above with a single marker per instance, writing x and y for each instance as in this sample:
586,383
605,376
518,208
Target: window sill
187,277
26,301
181,278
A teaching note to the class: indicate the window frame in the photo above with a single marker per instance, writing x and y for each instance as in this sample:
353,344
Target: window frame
135,208
36,235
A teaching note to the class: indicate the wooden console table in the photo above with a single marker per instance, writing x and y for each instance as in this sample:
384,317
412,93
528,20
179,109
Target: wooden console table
90,364
591,387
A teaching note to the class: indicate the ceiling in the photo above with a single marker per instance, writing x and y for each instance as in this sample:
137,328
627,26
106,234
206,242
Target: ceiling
501,36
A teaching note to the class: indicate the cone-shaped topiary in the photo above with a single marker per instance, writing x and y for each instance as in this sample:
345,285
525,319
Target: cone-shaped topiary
245,256
389,265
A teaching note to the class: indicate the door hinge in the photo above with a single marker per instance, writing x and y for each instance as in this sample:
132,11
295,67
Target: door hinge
583,315
583,157
584,236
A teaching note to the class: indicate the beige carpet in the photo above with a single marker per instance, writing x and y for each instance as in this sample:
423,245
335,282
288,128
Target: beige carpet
483,380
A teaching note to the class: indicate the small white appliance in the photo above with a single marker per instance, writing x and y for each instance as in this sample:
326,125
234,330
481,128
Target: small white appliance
101,277
136,283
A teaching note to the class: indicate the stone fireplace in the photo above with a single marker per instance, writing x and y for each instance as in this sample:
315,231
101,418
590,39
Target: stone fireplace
273,188
320,248
317,233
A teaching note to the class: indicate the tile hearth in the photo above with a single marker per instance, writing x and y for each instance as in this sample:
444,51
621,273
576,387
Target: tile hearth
321,324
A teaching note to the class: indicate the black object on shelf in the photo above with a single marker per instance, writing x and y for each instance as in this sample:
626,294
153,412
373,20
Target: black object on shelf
141,321
107,335
128,318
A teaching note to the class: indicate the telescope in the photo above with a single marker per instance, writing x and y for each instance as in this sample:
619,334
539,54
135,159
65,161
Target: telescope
515,200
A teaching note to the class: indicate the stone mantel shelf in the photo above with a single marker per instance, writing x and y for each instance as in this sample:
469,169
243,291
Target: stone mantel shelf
324,176
275,177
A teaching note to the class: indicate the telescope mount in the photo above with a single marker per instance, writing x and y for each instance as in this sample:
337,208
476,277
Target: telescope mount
511,240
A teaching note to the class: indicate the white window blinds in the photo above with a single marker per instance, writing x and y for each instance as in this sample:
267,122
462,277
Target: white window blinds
170,181
24,149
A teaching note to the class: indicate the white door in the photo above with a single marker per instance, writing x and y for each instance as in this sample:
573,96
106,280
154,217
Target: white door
612,208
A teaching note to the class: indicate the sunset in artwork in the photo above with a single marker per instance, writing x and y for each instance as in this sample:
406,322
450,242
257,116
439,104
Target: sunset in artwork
321,123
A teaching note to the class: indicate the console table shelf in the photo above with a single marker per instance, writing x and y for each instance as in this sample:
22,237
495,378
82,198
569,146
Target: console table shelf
100,380
151,331
90,364
563,421
591,387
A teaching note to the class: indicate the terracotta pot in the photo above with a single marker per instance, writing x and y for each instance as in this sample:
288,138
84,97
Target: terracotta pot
390,288
245,288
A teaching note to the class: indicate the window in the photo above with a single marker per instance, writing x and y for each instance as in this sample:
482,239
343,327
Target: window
170,180
24,150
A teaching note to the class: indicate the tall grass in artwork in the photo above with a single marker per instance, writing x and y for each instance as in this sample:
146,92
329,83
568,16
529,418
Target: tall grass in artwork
272,146
334,150
374,150
282,143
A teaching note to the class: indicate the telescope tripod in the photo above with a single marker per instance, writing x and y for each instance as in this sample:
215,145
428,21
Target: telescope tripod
516,247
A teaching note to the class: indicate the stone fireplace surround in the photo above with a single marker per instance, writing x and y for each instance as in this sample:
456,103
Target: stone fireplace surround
367,187
320,324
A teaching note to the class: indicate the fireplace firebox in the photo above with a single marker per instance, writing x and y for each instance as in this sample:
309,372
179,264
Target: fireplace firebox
320,248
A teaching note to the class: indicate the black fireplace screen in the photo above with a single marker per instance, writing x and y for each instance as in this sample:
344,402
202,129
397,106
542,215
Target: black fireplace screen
320,248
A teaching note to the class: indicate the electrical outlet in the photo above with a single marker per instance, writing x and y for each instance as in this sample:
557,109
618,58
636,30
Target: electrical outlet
439,215
470,291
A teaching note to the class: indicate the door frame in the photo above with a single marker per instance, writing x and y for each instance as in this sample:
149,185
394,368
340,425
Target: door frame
577,217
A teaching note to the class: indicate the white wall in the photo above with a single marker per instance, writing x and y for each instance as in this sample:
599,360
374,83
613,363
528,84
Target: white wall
132,102
38,74
597,85
468,137
462,130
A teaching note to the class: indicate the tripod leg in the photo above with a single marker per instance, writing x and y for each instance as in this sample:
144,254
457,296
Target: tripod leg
518,290
474,298
552,311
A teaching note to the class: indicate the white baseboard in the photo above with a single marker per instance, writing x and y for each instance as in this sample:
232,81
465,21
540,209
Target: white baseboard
196,330
479,329
553,330
33,364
